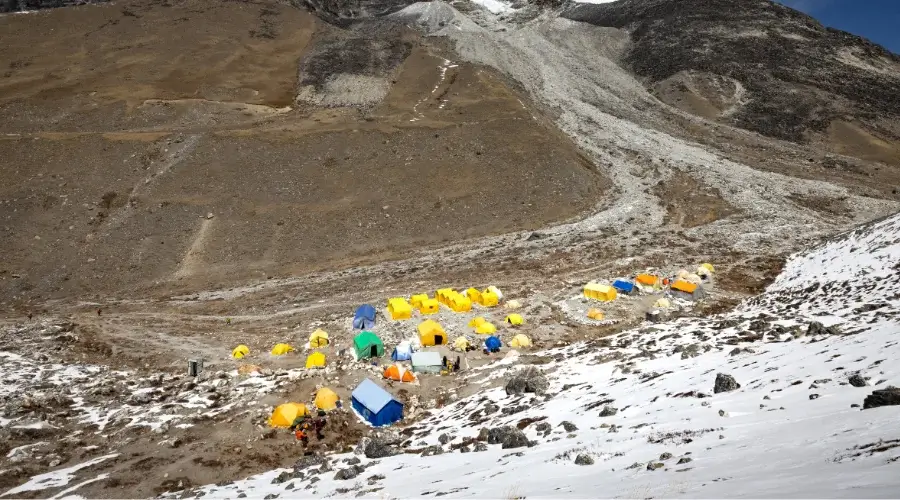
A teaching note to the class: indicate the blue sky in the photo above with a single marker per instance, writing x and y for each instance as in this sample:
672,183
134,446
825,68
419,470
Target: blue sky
877,20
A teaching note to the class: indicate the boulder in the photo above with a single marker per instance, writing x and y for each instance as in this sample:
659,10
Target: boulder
479,446
583,459
444,438
432,451
655,465
349,473
543,427
528,379
507,436
725,383
817,328
608,411
568,426
665,456
857,380
882,397
377,446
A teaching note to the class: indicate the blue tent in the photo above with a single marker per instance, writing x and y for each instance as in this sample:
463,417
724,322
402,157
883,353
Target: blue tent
623,286
364,318
492,344
403,352
375,404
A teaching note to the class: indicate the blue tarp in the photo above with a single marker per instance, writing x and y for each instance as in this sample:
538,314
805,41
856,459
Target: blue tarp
493,344
375,404
403,352
364,319
623,286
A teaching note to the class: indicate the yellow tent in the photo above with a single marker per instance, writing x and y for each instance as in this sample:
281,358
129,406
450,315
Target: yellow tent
443,295
485,328
280,349
515,319
473,294
600,292
460,303
520,341
496,291
417,299
709,267
432,333
429,306
461,343
662,303
326,399
476,321
240,351
489,299
284,415
399,308
596,314
318,338
315,360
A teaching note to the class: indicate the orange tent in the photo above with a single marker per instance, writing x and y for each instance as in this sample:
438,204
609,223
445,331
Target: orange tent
647,279
398,373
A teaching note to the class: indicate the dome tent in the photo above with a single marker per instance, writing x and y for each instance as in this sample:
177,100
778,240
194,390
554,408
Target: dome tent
326,399
284,415
240,351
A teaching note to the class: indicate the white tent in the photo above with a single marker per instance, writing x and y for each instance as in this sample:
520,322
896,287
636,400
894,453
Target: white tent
428,362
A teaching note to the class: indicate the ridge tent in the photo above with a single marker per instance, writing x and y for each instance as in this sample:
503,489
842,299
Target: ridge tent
399,308
375,404
364,319
431,333
429,306
284,415
315,360
403,352
492,344
240,351
520,340
474,295
416,300
326,399
318,338
460,303
428,362
399,373
368,345
623,286
600,292
515,319
281,349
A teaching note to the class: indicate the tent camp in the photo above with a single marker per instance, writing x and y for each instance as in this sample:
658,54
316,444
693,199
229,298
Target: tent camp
428,362
318,338
399,374
399,308
326,399
485,328
461,344
240,351
431,333
403,352
492,344
375,404
364,319
368,345
429,306
281,349
284,415
597,291
514,319
623,286
315,360
520,341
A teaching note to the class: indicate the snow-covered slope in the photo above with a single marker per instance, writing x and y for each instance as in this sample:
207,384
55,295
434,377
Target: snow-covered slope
794,428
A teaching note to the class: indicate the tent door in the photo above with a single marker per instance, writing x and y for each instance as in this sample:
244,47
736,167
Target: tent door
438,339
373,351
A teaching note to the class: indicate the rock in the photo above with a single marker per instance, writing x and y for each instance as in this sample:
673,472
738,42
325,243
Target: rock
242,495
375,477
378,446
479,446
583,459
283,477
432,451
665,456
508,436
308,462
568,426
636,465
857,380
854,405
722,413
684,460
270,496
817,328
655,465
813,396
608,411
528,379
464,449
444,438
543,427
882,397
353,461
348,473
725,383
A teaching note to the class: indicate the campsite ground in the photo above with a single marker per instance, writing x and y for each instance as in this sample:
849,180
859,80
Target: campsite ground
221,185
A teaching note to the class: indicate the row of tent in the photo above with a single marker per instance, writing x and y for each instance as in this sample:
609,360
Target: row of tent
372,402
684,283
284,415
399,309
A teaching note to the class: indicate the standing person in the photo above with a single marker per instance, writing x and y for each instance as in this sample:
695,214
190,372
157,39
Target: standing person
456,365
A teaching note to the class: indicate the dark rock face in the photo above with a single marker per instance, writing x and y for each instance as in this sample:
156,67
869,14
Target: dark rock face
725,383
882,397
794,70
857,380
528,380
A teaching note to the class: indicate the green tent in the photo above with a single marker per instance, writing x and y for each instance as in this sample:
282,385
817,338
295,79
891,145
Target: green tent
368,345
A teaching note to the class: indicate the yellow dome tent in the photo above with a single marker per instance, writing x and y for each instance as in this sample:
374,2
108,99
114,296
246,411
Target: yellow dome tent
520,341
318,338
284,415
489,299
496,291
280,349
240,351
429,306
461,343
485,328
595,314
431,333
474,295
326,399
515,319
709,267
315,360
600,292
460,303
476,321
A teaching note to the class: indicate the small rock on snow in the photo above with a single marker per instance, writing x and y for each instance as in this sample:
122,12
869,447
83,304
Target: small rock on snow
583,459
725,383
